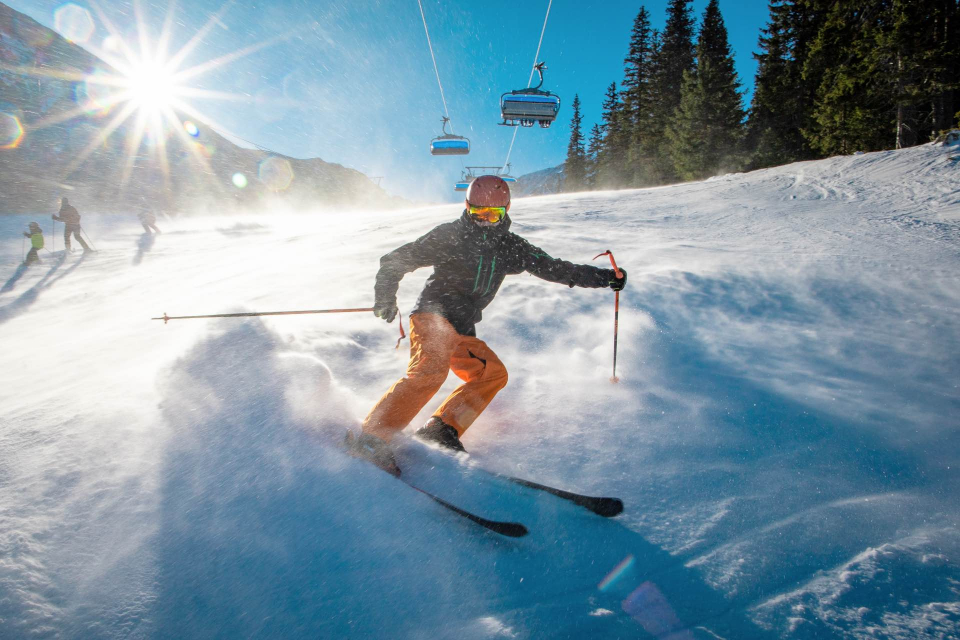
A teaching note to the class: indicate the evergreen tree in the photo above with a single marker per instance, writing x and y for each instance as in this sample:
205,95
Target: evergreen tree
854,108
782,99
914,55
594,146
612,156
575,167
674,57
707,130
637,100
657,163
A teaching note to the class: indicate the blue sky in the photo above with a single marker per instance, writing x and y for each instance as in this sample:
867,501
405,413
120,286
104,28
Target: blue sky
352,81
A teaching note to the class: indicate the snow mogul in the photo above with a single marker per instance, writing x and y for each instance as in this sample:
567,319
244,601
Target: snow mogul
470,257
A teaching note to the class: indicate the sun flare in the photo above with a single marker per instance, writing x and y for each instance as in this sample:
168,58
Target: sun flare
145,84
152,87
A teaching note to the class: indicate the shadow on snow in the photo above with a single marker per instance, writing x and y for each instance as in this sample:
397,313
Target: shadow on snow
268,530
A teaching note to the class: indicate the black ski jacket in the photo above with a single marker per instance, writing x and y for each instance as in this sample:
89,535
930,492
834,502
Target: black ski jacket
68,215
469,264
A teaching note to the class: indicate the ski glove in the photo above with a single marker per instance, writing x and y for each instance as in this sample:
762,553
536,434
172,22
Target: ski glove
386,310
617,284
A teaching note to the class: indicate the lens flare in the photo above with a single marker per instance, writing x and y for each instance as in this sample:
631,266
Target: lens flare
94,95
276,173
11,131
616,573
74,23
648,606
146,93
239,180
205,150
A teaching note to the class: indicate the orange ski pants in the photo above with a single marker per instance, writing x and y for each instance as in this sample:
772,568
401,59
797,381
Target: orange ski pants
435,347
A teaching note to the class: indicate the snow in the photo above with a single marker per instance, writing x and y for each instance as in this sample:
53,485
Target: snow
784,433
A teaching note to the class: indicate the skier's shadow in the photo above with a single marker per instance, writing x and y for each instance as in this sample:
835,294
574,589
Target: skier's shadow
11,283
579,563
144,244
28,297
252,504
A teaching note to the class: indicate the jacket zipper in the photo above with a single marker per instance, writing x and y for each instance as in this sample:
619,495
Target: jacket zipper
493,268
476,281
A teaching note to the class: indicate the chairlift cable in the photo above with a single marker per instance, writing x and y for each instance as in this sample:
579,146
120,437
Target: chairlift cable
530,79
436,71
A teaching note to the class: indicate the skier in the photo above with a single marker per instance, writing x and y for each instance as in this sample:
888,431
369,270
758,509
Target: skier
36,243
149,221
471,257
70,218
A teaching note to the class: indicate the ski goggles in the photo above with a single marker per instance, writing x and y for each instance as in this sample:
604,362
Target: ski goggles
488,214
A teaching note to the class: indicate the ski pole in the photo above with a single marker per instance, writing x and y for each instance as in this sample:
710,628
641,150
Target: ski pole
23,249
53,234
251,314
616,312
92,246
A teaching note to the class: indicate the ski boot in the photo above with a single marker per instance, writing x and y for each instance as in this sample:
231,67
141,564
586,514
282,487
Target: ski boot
372,449
438,431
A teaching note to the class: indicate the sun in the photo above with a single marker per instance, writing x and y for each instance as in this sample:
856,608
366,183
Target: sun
148,85
152,87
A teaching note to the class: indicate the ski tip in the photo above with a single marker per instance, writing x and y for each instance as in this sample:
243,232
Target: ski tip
608,507
510,529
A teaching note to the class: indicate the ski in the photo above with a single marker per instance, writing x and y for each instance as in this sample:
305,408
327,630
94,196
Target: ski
602,506
504,528
510,529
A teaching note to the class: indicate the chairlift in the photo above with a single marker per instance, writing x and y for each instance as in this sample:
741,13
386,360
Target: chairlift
506,177
448,144
524,107
466,177
470,174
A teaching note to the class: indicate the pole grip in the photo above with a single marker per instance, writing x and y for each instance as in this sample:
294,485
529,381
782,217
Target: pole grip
616,269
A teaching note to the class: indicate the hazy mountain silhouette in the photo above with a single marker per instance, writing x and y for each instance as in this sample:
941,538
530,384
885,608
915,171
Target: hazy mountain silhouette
41,85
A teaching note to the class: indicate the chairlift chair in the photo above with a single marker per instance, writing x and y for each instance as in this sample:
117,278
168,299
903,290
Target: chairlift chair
524,107
466,177
448,144
506,177
470,174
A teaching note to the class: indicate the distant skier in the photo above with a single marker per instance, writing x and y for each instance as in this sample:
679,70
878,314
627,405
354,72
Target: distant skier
36,243
70,218
149,221
470,258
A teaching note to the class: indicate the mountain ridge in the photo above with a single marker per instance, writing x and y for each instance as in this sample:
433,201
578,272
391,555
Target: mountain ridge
42,145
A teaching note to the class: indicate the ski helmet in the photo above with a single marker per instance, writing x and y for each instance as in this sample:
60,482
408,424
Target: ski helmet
489,191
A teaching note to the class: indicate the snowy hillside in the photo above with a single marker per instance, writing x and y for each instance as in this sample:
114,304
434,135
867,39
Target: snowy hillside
785,434
69,140
540,183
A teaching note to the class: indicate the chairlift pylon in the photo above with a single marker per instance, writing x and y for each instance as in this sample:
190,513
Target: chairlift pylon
449,144
524,107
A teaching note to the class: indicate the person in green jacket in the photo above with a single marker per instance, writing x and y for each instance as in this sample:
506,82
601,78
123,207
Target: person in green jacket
36,243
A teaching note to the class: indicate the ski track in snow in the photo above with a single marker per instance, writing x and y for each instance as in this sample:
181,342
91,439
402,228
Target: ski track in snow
784,435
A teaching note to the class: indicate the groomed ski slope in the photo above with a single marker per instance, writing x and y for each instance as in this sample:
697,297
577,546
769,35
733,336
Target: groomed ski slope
784,435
